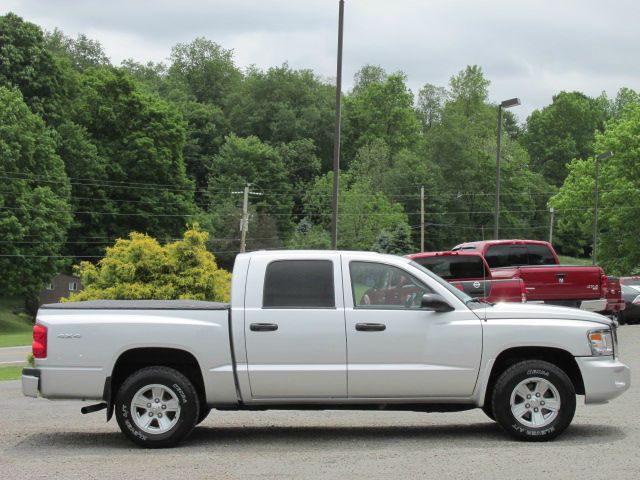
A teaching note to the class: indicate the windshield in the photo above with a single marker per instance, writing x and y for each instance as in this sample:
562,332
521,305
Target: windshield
458,293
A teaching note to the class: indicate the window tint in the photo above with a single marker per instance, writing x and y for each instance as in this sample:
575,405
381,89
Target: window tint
506,255
540,255
453,266
299,284
379,285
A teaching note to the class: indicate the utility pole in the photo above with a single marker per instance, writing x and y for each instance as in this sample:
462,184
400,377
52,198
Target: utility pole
422,219
244,221
552,211
336,142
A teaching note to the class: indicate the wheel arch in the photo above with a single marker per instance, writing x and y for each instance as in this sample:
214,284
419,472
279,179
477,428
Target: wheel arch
557,356
134,359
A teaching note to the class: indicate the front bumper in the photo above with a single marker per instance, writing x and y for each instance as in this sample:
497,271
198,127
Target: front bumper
30,382
605,378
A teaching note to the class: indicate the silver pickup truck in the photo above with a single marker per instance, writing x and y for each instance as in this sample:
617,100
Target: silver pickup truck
325,330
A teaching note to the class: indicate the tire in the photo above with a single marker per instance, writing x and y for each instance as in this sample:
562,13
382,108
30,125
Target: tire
488,411
532,418
165,411
204,412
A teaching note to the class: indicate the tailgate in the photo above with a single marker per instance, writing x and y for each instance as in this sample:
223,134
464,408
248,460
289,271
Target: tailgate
561,282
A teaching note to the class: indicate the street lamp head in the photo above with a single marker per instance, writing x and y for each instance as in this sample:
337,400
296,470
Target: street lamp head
512,102
605,155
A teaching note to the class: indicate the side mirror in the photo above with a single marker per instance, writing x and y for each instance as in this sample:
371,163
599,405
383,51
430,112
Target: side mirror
435,302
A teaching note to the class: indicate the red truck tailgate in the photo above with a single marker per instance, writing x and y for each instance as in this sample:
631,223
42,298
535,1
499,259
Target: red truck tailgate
560,282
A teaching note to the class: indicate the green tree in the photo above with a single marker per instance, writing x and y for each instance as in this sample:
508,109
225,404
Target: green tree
619,202
90,195
282,105
207,69
140,268
26,64
363,213
624,97
561,132
470,88
141,139
383,110
206,130
463,146
396,241
431,100
34,211
248,160
309,236
82,51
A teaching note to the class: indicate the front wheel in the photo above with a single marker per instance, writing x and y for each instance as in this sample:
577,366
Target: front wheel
157,407
534,400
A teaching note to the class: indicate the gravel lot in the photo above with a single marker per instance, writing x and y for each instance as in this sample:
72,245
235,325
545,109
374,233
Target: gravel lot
46,439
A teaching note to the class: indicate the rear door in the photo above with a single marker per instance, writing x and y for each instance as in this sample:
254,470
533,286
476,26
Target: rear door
295,328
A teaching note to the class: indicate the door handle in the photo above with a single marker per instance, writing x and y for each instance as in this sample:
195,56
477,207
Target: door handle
263,327
370,327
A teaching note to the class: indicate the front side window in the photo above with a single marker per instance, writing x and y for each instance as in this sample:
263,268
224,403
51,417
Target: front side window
379,285
73,286
299,284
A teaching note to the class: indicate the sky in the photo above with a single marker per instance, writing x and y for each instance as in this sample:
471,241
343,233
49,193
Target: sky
527,49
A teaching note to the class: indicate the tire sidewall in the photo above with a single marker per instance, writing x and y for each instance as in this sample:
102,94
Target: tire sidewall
534,369
171,379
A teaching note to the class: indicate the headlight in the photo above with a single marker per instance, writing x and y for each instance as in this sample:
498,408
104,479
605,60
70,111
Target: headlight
601,342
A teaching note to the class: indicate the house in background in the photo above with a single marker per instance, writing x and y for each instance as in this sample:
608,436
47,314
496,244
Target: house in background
61,286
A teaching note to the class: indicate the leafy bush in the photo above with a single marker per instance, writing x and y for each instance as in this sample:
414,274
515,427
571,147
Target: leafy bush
140,268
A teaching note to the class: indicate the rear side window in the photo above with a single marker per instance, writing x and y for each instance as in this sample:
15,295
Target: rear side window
540,255
506,255
299,284
454,267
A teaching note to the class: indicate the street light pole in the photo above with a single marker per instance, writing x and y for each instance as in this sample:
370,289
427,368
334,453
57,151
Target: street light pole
602,156
336,144
512,102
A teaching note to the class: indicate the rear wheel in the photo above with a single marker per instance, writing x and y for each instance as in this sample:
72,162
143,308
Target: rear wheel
534,400
157,407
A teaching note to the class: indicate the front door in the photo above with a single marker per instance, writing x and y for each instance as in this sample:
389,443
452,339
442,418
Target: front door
295,328
397,349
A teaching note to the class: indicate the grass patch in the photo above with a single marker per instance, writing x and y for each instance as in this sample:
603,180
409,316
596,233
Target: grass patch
15,325
16,339
10,373
564,260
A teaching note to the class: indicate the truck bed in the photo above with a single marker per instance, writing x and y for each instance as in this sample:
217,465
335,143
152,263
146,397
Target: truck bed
87,339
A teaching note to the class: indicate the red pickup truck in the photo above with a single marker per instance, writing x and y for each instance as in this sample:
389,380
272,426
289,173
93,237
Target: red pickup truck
469,272
535,262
